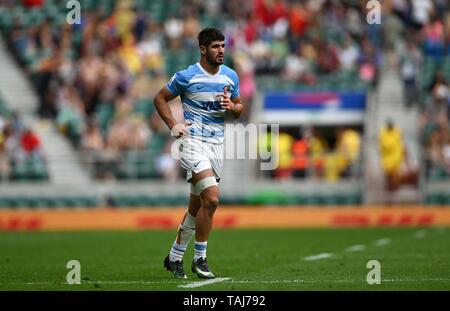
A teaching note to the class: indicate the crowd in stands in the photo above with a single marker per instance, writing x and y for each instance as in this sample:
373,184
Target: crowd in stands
21,154
325,153
97,80
425,69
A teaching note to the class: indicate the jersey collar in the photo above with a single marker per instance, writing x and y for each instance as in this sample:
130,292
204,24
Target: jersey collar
207,73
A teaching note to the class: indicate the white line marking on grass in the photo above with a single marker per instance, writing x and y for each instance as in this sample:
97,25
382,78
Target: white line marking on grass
355,248
420,234
382,242
318,256
191,285
97,282
203,283
417,280
32,283
130,282
267,281
440,230
336,281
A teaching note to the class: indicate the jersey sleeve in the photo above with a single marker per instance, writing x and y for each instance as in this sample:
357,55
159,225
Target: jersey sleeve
177,84
235,91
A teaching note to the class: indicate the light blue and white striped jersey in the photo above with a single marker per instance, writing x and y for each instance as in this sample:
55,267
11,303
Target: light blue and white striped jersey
198,90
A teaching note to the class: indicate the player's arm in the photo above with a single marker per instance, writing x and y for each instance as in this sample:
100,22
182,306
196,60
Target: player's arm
161,103
238,107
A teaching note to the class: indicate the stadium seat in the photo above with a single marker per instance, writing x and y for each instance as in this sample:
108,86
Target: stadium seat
435,199
313,199
353,199
301,200
4,202
332,199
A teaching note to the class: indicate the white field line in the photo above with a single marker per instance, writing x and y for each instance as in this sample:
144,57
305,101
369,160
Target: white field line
356,248
382,242
229,280
440,230
420,234
203,283
95,282
318,256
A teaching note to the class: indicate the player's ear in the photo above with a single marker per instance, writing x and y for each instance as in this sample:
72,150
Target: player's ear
202,49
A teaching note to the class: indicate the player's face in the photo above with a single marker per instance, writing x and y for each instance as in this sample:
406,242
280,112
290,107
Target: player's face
215,53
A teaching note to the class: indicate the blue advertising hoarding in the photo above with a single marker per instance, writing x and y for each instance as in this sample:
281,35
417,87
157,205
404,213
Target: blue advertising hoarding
327,108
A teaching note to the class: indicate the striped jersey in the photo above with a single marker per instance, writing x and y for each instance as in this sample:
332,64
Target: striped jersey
198,90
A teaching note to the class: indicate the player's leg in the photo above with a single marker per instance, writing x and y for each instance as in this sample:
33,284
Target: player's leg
206,185
186,229
194,204
174,261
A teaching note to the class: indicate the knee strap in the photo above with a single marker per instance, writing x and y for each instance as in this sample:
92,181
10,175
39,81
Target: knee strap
193,190
204,183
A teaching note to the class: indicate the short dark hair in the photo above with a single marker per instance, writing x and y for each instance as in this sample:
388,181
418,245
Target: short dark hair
208,35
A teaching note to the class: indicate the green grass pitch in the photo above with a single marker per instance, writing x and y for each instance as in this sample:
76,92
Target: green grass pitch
263,259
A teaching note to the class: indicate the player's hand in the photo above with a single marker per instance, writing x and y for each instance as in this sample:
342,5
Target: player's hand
180,129
225,101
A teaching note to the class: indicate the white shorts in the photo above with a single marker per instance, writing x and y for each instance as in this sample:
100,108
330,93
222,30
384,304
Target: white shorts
197,155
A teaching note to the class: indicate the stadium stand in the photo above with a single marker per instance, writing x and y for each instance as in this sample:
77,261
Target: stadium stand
96,80
139,42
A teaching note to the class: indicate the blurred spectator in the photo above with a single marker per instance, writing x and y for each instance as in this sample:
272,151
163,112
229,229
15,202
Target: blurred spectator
30,142
434,37
20,148
300,160
348,147
440,89
446,153
317,149
435,154
435,114
33,3
410,64
71,114
92,138
334,162
394,158
421,11
283,149
4,159
327,57
369,62
348,54
298,19
269,11
150,49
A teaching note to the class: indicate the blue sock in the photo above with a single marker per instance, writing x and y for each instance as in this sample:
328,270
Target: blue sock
200,250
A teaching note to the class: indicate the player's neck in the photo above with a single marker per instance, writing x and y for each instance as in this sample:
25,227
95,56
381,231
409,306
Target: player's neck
211,69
